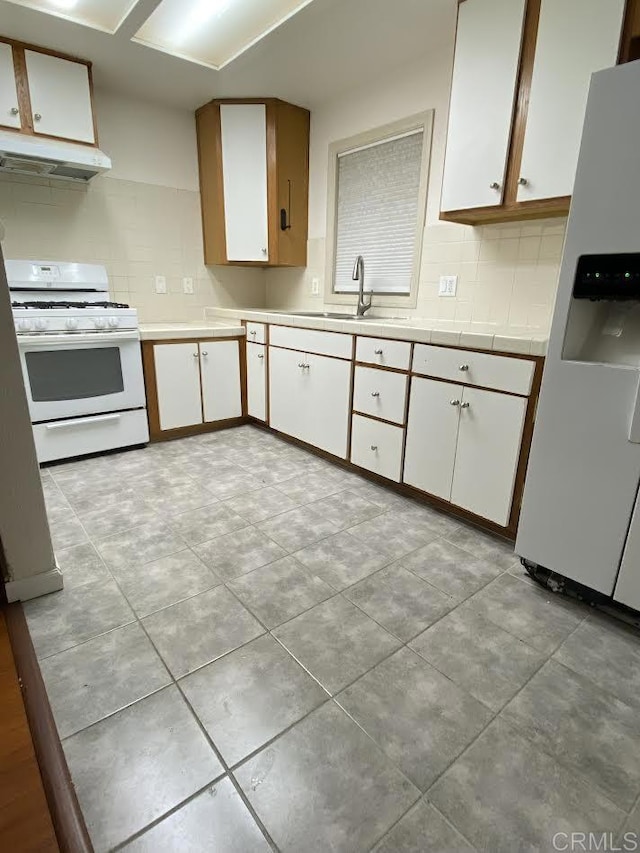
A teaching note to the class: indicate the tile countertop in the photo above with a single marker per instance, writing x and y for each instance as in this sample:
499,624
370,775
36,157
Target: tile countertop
473,336
204,329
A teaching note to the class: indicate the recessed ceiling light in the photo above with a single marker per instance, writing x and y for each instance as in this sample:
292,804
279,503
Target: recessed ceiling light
104,15
213,32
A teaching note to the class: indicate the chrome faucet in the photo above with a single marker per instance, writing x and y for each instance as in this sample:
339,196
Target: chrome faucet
358,275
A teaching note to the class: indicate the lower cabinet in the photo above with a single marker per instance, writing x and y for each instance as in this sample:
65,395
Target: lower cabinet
257,381
309,398
377,446
463,445
196,383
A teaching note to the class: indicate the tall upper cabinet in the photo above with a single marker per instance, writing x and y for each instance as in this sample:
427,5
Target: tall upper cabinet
520,82
253,156
45,94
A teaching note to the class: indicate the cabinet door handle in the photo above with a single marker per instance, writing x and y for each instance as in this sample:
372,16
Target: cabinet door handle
194,354
374,447
37,116
463,367
261,355
454,402
464,405
204,352
494,185
375,393
378,352
14,111
523,182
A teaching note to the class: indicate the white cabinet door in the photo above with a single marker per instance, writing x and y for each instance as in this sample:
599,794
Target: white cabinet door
9,110
178,385
575,38
483,90
627,589
487,454
61,96
432,433
244,177
289,392
256,381
329,409
220,367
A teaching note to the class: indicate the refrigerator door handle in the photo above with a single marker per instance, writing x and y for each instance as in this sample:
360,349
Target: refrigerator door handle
634,429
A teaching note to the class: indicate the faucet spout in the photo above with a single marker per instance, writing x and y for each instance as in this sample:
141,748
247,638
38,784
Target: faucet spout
358,275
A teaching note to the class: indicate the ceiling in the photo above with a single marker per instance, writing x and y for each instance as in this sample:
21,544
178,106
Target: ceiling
326,48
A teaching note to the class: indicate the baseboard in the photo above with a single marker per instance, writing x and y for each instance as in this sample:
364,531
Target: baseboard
34,586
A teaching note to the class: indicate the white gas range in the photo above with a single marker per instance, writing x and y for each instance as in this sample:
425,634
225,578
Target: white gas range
81,359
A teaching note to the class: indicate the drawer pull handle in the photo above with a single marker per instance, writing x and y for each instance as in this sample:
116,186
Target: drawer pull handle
261,355
464,367
375,393
454,402
300,364
378,352
374,447
464,406
194,354
253,333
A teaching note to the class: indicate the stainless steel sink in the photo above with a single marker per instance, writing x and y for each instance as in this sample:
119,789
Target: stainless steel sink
330,315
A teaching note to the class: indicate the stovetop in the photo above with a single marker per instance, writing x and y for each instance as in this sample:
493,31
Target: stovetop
48,306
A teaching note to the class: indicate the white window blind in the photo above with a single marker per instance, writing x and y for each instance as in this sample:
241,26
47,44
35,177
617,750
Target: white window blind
378,188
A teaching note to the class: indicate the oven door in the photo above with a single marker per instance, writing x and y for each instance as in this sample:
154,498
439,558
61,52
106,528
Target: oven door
81,374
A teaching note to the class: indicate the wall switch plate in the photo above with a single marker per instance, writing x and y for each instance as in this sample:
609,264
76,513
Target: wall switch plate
187,285
161,284
448,285
315,287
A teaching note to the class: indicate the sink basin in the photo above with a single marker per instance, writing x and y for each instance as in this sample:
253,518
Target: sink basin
330,315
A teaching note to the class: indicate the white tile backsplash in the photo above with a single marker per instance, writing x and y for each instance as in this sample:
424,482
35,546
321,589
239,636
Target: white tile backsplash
507,275
137,231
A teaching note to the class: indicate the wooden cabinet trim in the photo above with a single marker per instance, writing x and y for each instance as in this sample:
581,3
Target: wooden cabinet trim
24,99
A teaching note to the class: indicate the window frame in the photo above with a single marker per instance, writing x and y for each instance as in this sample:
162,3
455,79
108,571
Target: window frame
419,121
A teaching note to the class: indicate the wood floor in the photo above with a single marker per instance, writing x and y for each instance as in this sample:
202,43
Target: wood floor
25,823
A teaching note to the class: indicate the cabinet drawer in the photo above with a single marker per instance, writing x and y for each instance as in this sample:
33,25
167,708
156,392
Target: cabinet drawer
380,393
256,333
377,447
514,375
312,340
384,353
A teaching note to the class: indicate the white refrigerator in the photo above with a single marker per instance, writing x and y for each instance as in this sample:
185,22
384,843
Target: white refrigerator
580,515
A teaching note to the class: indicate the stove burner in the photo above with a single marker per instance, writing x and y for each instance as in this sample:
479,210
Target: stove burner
61,304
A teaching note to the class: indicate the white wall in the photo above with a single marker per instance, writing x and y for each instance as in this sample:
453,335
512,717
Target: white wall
507,273
140,220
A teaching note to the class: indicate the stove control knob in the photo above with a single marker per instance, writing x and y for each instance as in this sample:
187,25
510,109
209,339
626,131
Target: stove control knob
41,324
24,325
114,322
100,323
72,323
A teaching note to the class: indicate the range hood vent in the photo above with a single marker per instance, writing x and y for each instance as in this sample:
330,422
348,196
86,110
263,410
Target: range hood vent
28,155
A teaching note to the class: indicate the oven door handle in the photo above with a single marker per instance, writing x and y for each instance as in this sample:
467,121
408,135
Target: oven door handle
97,419
67,341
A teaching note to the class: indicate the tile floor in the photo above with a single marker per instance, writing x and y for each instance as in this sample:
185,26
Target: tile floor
256,649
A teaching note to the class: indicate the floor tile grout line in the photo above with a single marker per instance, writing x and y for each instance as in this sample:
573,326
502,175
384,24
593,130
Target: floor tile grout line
174,682
490,722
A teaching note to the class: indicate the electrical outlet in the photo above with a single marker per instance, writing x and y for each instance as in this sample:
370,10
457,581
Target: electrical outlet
448,285
315,287
161,284
187,285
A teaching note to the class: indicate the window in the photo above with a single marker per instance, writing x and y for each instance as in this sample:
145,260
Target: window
377,210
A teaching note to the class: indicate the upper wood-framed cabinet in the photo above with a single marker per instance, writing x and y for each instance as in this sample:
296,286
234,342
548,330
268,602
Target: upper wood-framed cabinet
43,93
521,77
253,156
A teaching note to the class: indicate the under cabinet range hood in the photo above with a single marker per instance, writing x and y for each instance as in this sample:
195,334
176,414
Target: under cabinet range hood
51,158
